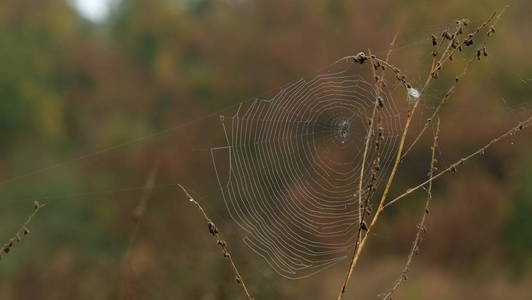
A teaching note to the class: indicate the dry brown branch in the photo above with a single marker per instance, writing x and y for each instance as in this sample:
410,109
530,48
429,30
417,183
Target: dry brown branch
213,230
22,232
453,167
421,226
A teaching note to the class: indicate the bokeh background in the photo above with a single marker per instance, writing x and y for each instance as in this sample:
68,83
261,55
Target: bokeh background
106,105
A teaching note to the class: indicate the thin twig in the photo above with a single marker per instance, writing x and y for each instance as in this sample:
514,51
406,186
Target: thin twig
363,205
23,231
447,95
378,102
213,230
138,216
453,167
421,226
495,17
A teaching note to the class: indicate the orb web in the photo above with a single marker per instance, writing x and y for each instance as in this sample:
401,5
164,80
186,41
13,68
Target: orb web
292,167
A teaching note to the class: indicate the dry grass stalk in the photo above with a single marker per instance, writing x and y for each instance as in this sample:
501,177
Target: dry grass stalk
421,226
429,120
213,230
455,43
363,205
481,50
453,167
22,232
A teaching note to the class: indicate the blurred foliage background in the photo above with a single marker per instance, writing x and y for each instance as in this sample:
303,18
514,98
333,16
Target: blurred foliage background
89,108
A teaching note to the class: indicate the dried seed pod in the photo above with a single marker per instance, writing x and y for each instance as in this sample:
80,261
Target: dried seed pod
363,226
360,58
212,228
434,40
491,31
380,102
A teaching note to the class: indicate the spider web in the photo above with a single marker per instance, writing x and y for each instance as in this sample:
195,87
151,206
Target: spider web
289,172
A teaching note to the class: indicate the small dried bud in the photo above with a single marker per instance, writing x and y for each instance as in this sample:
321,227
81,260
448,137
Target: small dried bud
434,40
454,44
380,102
363,226
360,58
491,31
212,228
469,40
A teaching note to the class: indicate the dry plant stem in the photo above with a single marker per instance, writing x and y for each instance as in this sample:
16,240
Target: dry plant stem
138,216
380,208
23,231
447,95
221,243
391,178
450,92
421,226
363,208
453,167
450,50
